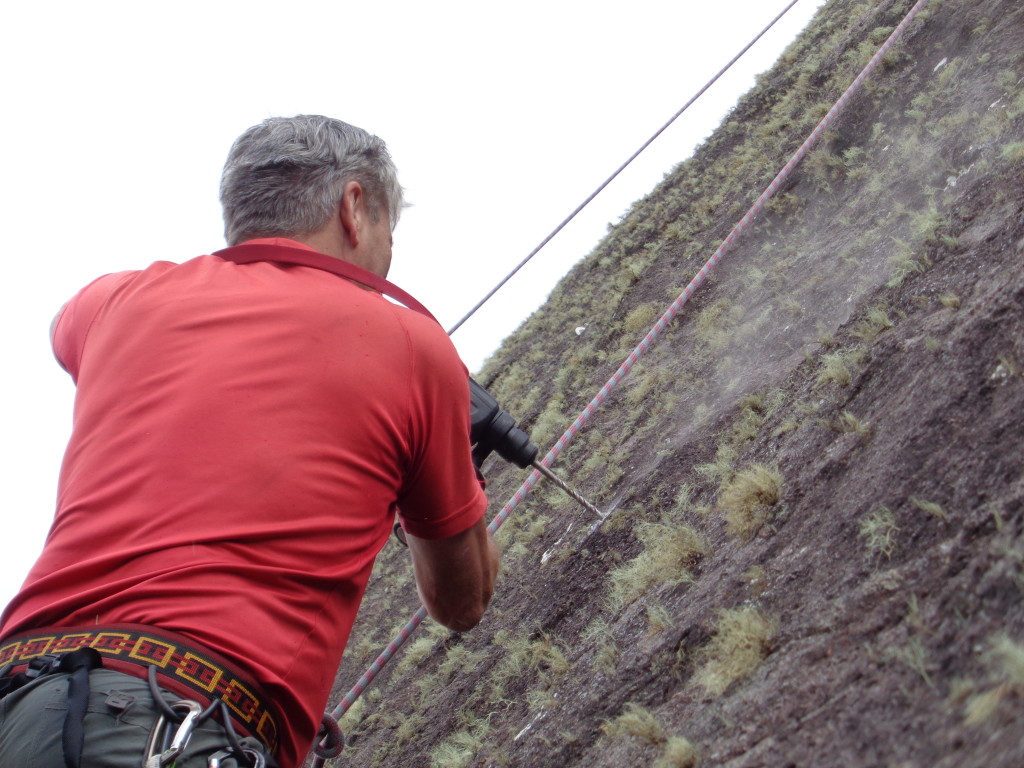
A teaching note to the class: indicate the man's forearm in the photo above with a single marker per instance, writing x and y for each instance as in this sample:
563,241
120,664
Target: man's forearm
455,576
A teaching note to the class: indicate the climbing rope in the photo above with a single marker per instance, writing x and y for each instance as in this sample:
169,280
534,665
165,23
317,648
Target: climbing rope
645,344
619,170
737,230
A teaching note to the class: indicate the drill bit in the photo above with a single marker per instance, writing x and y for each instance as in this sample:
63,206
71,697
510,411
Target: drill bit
561,484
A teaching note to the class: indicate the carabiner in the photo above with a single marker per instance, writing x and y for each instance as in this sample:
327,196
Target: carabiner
155,748
181,736
214,760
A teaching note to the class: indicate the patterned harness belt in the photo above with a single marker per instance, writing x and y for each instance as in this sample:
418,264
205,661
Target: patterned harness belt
183,667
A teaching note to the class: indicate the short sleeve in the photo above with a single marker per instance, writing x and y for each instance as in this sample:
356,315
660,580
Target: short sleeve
71,326
442,495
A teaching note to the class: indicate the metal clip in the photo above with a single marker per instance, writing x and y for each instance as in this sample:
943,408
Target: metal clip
258,760
182,735
153,748
216,757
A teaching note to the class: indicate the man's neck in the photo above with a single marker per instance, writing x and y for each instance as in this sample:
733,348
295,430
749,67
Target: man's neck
324,241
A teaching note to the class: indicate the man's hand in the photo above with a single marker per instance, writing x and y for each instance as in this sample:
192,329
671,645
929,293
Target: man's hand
455,576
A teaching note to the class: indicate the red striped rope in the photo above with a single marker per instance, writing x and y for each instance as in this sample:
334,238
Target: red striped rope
646,342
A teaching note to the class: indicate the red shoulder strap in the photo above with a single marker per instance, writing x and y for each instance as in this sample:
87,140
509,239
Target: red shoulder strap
248,253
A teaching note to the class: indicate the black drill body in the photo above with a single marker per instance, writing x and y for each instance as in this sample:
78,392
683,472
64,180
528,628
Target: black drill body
492,429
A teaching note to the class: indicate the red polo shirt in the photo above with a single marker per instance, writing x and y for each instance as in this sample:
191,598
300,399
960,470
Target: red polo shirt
243,434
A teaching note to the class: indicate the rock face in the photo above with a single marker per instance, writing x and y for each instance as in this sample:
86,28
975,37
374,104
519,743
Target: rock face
816,550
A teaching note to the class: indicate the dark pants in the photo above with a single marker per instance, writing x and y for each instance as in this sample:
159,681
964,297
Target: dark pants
32,720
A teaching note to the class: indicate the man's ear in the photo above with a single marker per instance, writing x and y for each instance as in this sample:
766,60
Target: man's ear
352,210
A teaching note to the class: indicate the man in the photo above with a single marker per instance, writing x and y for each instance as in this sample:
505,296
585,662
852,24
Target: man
246,426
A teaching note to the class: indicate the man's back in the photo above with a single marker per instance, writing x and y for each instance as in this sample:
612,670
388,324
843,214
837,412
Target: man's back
242,434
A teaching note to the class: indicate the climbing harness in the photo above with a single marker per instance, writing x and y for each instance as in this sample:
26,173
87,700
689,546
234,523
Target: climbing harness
143,651
170,662
641,348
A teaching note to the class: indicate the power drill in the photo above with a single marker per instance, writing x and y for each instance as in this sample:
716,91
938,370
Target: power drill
492,429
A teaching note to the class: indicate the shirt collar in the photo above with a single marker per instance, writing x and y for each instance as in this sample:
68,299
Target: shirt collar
285,242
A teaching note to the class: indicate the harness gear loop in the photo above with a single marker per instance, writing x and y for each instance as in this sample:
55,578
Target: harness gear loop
37,667
256,757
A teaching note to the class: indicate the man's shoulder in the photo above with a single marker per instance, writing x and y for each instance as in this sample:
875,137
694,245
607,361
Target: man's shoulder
425,335
72,322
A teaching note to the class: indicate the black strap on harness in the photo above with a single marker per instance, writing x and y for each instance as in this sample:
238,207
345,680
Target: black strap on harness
37,667
76,665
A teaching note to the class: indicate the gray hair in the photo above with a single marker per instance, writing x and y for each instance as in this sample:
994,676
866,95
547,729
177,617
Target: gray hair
285,176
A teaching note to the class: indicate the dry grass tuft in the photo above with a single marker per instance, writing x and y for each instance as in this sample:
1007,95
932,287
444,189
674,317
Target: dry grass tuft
658,618
409,728
743,639
678,753
459,749
353,716
877,530
418,652
949,300
1006,662
547,657
1014,153
876,322
606,653
747,499
983,706
931,508
641,318
635,721
669,552
847,423
540,699
839,367
913,655
458,660
606,659
1008,656
757,580
511,664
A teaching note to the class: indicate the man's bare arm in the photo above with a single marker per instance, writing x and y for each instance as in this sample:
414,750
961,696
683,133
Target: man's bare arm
455,576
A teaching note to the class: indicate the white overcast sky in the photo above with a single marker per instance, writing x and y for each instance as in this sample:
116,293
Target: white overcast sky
501,118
